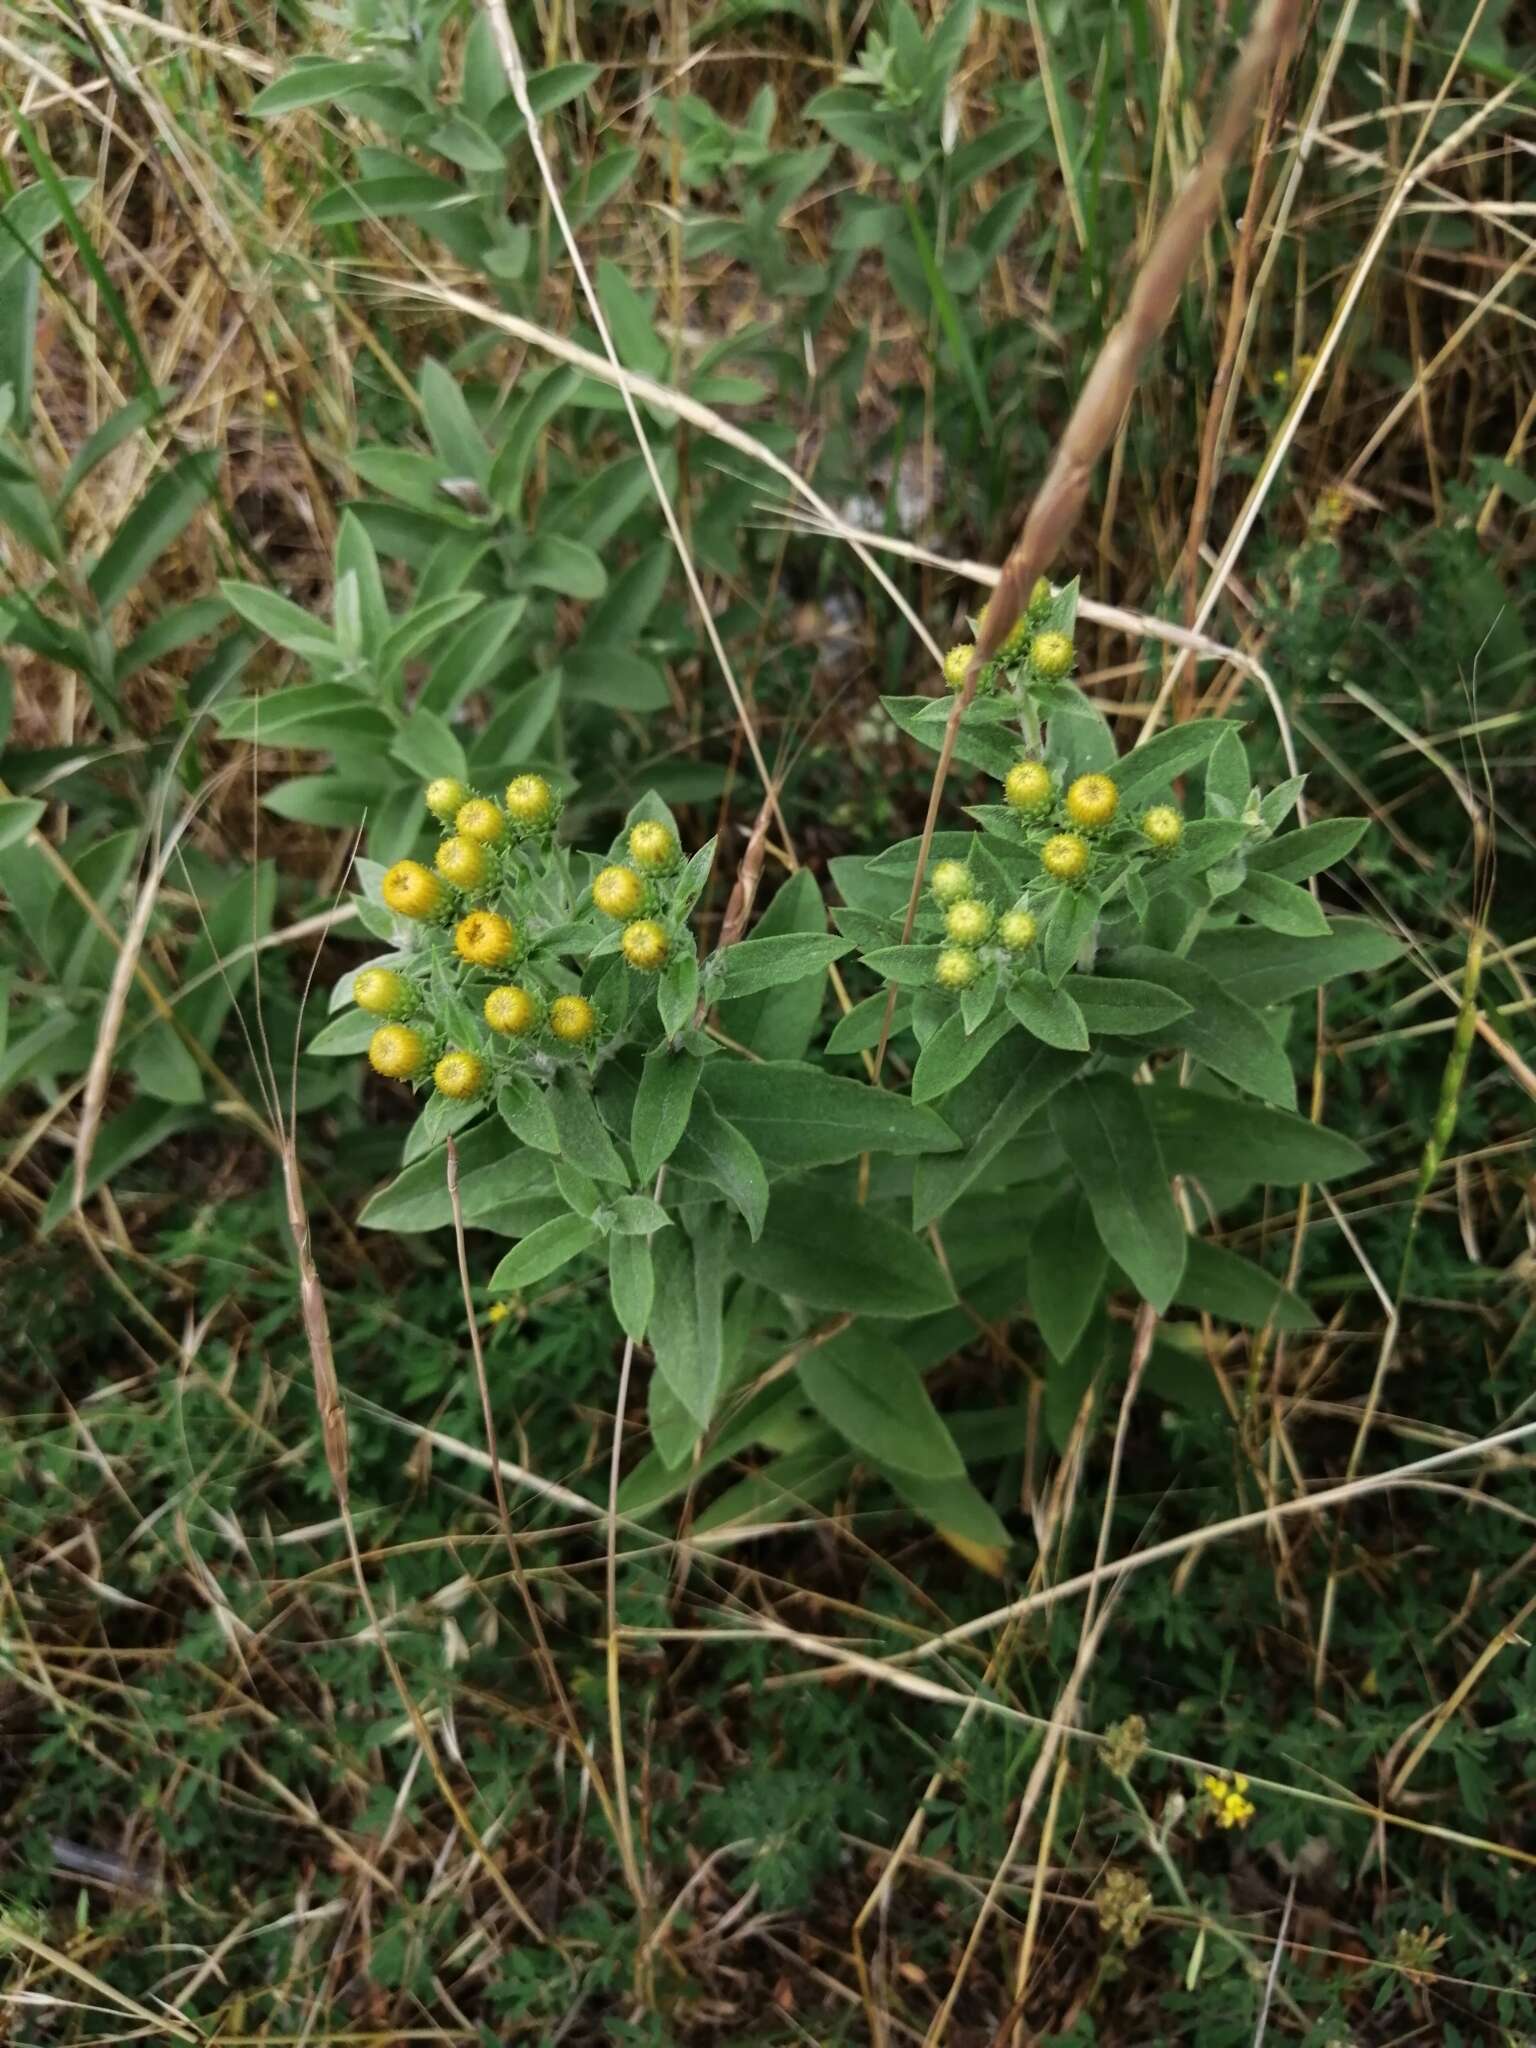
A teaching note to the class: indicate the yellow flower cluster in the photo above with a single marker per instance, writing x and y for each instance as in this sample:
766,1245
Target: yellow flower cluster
1228,1807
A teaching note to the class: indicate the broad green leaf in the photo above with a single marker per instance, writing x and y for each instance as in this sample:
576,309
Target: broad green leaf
280,620
618,618
827,1252
1227,780
428,746
173,630
525,1111
348,1034
1200,1133
1280,906
18,815
1221,1030
498,1185
583,1140
1121,1006
874,1396
977,744
564,565
159,517
1067,1268
424,627
614,677
550,89
860,1030
117,428
1308,850
907,966
1112,1148
1047,1013
1140,774
779,1023
952,1053
797,1116
712,1149
1267,967
1234,1288
677,993
759,963
414,193
456,440
544,1251
318,81
1011,1085
324,716
468,657
684,1332
631,1283
1068,929
668,1082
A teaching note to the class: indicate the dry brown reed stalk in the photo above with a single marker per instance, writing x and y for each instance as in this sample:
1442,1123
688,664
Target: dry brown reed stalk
1102,402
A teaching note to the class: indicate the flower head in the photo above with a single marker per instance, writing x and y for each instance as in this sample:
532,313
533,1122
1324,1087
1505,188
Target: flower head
572,1020
462,861
1092,802
412,890
512,1011
445,798
480,820
644,945
397,1052
1029,788
969,922
1065,857
383,993
459,1075
619,892
485,938
530,802
956,968
949,880
653,846
1162,827
957,664
1017,930
1050,655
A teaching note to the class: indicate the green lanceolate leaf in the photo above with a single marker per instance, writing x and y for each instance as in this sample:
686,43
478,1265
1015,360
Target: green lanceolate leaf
874,1396
1201,1134
526,1113
1112,1149
677,992
1234,1288
1120,1007
1142,773
907,966
1279,906
861,1029
631,1283
1068,929
1047,1013
1262,967
347,1034
952,1053
160,515
829,1253
684,1329
668,1083
1307,851
796,1116
1221,1030
762,963
1067,1268
985,1112
583,1140
544,1251
779,1022
714,1150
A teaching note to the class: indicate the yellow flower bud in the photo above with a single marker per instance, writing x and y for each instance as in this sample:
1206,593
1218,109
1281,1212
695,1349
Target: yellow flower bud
957,664
530,802
969,922
397,1052
1050,655
644,945
1017,930
446,797
459,1075
572,1019
383,993
485,938
462,862
1092,802
619,892
1029,788
1162,827
950,880
652,847
513,1011
1065,857
412,890
956,968
480,820
1041,595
